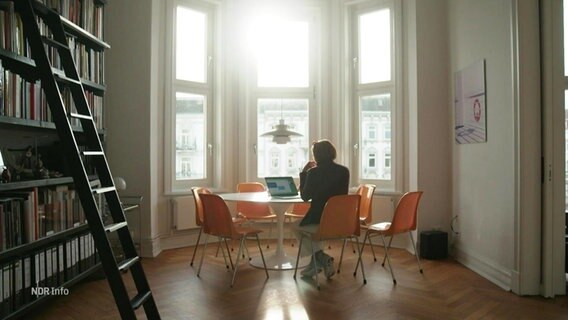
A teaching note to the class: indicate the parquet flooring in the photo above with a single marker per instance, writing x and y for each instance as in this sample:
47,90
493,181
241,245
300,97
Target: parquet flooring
446,290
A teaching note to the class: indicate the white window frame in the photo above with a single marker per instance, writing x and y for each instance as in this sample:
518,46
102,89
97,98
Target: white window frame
310,93
392,87
171,185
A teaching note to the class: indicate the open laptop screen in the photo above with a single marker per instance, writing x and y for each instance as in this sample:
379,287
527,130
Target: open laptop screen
281,186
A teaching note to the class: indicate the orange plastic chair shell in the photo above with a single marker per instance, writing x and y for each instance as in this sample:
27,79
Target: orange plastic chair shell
218,221
251,210
366,192
404,218
299,210
197,191
340,218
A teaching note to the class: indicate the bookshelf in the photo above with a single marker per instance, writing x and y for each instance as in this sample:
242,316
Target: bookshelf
45,243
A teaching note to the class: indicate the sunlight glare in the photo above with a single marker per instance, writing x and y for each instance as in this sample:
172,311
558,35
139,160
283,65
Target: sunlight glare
374,47
191,45
281,50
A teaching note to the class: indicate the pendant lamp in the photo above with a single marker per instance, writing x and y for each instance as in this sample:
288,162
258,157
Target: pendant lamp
281,133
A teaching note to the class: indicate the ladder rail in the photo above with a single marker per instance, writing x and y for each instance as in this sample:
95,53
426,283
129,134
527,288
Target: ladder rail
112,198
51,87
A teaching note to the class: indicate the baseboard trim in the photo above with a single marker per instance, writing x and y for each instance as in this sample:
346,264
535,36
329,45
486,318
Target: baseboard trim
499,276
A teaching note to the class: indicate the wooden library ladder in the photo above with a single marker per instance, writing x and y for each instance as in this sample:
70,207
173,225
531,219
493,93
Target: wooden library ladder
92,151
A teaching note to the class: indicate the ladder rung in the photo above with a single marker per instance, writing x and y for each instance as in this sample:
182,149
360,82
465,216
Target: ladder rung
115,226
126,264
104,190
54,43
139,299
93,153
80,116
62,78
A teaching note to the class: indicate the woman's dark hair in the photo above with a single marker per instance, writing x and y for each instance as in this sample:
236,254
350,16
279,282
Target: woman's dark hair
323,151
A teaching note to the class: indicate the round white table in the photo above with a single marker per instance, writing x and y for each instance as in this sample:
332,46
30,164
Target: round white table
277,260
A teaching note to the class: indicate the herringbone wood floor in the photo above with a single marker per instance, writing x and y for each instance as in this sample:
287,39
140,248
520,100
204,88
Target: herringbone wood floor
446,290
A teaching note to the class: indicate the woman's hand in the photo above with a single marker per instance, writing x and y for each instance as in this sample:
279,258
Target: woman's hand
309,165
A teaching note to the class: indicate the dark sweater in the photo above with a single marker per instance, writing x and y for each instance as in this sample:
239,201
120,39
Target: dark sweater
319,184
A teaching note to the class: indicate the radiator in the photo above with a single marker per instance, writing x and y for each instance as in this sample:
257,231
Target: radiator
383,208
183,212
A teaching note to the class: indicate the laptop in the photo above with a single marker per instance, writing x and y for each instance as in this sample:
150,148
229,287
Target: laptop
282,187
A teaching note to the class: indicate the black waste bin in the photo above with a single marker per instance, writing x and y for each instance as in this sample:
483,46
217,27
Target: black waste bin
434,245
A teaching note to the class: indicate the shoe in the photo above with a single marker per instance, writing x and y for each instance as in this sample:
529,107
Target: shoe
327,262
309,270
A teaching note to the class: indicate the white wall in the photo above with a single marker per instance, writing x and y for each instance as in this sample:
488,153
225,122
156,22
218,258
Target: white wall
427,122
132,105
484,173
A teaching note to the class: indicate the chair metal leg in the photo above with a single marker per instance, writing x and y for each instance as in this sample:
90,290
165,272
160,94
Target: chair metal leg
390,241
237,262
298,256
372,248
220,241
229,254
415,252
261,255
217,252
196,245
360,261
290,229
203,254
388,258
269,234
341,257
362,248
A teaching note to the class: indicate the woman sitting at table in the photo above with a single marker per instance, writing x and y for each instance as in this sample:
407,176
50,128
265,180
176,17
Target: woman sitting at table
320,180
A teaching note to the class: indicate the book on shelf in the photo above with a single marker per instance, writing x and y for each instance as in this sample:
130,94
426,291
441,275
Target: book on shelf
49,268
25,100
29,215
49,215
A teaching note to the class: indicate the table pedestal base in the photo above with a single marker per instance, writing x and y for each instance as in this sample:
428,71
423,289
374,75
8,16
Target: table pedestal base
279,262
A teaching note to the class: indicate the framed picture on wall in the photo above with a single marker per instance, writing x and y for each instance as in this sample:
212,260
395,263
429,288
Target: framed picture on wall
469,102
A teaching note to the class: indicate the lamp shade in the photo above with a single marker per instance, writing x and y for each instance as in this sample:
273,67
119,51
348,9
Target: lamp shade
281,134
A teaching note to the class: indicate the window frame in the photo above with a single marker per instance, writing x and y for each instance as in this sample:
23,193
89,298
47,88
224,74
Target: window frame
393,87
312,15
173,85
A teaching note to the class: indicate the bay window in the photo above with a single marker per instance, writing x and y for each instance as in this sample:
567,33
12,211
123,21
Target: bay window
278,62
282,89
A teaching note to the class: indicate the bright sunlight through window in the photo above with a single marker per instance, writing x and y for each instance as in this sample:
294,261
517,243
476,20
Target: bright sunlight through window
281,51
191,45
374,47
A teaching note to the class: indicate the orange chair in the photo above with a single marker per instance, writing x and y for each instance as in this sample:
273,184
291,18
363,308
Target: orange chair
366,192
217,221
298,211
339,220
197,191
404,220
254,211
